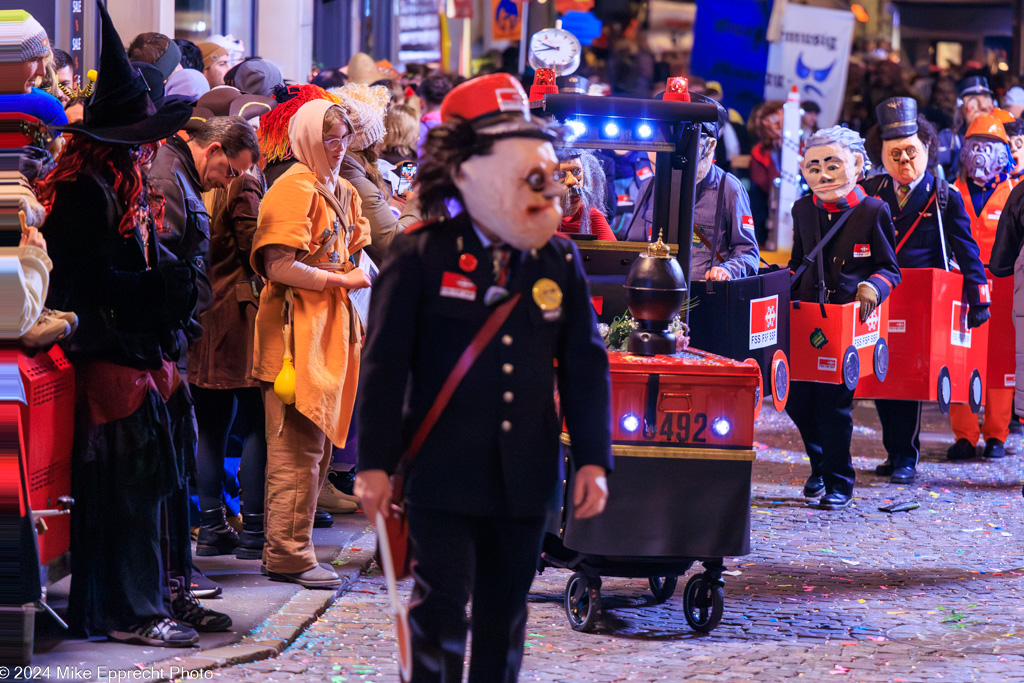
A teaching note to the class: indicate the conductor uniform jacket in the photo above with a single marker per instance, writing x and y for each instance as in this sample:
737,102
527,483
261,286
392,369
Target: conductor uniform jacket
862,251
918,244
495,449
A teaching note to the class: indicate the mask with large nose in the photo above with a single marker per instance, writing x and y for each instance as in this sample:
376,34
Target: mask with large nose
512,193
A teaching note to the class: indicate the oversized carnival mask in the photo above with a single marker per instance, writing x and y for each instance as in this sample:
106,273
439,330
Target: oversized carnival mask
976,105
905,159
574,178
1017,149
514,193
984,158
831,171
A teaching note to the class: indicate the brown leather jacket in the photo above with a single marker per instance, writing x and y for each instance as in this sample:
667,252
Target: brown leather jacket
222,358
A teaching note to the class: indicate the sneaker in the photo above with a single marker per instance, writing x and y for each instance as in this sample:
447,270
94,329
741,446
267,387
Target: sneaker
336,502
50,327
187,609
158,633
202,586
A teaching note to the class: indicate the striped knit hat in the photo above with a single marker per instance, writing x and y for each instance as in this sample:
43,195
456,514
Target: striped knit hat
365,106
20,28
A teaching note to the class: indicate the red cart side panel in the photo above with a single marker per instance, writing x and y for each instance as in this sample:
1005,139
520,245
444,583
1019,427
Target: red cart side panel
1002,364
49,429
704,400
927,332
817,344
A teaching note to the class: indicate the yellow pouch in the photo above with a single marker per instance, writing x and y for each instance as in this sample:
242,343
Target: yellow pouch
284,384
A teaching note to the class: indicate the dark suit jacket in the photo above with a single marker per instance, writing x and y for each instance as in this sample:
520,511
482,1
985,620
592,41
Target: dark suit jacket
923,249
495,449
863,250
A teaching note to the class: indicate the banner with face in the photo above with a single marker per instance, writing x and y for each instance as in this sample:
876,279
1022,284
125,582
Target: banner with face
813,54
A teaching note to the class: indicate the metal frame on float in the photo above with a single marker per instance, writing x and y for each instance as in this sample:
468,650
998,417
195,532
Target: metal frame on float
671,130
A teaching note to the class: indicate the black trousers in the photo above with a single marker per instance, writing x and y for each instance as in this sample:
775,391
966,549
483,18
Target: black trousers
219,414
492,559
901,430
823,414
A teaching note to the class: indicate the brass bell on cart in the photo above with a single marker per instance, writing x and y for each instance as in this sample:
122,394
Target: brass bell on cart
655,291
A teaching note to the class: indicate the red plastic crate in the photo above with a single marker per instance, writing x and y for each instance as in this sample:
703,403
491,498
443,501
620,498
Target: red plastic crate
1002,364
49,427
836,347
933,356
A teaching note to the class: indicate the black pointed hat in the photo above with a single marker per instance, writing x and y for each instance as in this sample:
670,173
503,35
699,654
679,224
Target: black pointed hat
120,109
897,117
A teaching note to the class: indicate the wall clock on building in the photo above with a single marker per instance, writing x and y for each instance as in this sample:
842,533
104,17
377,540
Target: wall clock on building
555,49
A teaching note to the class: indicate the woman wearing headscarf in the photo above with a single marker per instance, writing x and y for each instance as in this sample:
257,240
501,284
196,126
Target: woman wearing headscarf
310,224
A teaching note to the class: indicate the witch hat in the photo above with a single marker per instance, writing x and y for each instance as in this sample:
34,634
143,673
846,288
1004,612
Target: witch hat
120,109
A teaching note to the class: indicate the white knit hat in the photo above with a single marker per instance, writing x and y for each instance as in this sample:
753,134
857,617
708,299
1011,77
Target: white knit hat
365,107
22,29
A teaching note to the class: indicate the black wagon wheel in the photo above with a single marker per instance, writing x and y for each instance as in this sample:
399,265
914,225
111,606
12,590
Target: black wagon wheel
662,587
582,602
944,390
703,603
880,359
851,368
975,392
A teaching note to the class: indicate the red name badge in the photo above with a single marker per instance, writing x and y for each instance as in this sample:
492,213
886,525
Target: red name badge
748,222
861,250
457,286
644,173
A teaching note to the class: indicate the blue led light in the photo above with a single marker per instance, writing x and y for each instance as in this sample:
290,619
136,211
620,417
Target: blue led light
631,423
577,127
611,129
721,426
644,131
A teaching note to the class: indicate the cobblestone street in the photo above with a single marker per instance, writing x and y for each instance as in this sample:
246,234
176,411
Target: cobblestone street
858,594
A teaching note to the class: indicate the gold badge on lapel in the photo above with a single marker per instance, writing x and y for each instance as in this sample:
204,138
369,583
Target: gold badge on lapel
547,294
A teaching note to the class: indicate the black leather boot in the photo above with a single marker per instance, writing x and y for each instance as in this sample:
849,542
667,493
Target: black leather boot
252,538
215,536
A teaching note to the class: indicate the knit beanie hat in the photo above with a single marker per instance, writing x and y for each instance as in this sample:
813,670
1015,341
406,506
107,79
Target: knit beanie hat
211,51
24,31
366,107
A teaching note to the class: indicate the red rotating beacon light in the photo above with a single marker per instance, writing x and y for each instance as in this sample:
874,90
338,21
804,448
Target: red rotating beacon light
677,90
543,83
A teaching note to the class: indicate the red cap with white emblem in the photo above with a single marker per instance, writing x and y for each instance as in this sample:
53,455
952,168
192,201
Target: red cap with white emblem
484,97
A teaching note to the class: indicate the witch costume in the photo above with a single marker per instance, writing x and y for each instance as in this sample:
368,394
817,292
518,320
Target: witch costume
133,425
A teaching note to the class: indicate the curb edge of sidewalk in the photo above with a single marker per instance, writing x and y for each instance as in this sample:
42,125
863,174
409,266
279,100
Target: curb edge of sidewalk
284,627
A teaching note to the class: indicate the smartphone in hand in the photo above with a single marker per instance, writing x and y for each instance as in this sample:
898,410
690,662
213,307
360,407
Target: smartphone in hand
406,176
